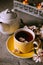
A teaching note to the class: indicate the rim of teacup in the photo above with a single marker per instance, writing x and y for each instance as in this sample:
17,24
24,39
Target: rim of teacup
27,30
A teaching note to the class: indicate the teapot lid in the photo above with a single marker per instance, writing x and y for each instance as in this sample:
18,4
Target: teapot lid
8,15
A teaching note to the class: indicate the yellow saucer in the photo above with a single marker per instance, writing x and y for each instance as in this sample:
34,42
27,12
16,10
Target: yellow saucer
10,47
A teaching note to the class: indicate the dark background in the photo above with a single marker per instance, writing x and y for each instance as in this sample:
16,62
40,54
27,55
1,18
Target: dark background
4,4
5,0
32,0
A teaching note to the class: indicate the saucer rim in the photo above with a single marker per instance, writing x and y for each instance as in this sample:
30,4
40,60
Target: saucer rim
14,53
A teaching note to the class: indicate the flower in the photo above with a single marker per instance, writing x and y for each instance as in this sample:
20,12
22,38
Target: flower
38,57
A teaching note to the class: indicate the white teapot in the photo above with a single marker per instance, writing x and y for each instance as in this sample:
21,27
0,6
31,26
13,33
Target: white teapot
9,21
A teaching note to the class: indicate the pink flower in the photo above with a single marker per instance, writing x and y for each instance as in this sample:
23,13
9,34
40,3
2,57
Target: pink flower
39,56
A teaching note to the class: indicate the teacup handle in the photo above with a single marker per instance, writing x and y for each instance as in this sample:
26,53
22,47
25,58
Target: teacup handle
36,44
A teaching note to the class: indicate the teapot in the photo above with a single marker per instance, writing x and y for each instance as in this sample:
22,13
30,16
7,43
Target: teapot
9,21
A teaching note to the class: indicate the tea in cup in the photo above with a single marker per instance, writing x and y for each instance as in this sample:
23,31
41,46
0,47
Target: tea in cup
24,40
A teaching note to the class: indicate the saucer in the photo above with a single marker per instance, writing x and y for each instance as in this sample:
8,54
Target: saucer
10,48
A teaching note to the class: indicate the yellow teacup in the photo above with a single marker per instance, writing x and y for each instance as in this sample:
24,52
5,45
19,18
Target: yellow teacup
24,40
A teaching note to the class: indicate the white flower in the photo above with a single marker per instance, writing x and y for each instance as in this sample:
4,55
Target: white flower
39,56
41,3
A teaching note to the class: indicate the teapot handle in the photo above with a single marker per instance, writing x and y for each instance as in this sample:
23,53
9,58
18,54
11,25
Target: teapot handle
9,11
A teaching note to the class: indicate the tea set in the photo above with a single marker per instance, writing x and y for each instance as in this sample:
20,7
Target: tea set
23,48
